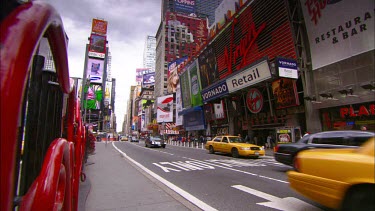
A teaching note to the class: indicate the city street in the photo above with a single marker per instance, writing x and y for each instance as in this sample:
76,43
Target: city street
217,181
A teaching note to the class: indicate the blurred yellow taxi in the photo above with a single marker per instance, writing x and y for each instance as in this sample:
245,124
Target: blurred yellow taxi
234,145
124,138
337,178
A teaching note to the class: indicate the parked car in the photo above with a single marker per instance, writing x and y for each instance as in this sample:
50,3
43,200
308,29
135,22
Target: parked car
154,141
134,139
340,179
234,145
285,153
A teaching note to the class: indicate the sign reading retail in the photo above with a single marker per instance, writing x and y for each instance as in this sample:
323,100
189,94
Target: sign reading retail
250,76
254,100
216,91
287,68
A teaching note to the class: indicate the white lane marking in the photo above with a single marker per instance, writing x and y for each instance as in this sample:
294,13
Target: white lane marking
287,204
143,147
178,190
245,172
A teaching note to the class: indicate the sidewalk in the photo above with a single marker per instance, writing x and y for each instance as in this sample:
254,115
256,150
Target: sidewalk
114,183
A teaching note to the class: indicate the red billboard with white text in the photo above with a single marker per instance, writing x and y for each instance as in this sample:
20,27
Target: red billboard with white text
261,30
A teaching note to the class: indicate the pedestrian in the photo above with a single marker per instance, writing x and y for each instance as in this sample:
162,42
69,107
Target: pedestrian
255,140
269,140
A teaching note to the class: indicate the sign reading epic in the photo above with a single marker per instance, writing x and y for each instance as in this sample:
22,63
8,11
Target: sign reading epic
250,76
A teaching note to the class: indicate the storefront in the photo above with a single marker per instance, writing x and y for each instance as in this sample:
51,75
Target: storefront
359,116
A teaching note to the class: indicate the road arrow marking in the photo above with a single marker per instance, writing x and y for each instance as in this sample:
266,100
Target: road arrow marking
287,204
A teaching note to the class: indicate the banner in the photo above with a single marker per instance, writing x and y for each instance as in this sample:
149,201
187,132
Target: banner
185,90
174,69
332,38
207,67
196,97
185,6
215,91
164,109
179,118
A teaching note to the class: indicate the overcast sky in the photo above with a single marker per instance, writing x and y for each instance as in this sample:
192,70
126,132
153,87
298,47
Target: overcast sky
129,22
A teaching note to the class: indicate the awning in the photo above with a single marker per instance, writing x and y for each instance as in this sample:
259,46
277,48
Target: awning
189,110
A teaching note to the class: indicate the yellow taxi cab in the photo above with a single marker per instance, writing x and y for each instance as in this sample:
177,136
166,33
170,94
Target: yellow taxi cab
124,138
337,178
234,145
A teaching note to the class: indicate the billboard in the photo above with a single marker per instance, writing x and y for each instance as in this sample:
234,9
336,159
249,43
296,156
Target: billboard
94,96
285,92
107,94
95,69
196,97
336,37
185,6
261,29
99,26
207,67
179,118
164,109
185,89
148,80
139,72
174,69
98,43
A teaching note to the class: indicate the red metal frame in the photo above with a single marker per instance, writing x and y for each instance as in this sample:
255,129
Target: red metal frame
57,185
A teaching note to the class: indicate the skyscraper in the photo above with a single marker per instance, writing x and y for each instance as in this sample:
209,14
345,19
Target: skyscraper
178,36
149,53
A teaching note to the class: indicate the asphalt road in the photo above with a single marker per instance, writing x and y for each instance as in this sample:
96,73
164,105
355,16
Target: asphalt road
218,181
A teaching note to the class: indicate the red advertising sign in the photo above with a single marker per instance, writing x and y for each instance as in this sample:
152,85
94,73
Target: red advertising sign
285,93
99,26
97,43
262,29
254,100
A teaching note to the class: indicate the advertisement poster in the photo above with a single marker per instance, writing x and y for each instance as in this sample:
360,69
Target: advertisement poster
95,69
336,37
164,109
283,135
148,80
99,26
185,90
285,92
174,69
207,67
97,43
196,97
